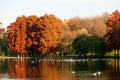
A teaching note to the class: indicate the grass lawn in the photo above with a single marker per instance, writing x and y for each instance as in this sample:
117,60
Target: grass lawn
9,57
66,57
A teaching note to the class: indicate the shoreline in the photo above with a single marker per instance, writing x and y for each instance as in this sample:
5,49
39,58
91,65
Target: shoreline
63,57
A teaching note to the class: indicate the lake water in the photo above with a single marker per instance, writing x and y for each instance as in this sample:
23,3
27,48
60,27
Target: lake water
59,69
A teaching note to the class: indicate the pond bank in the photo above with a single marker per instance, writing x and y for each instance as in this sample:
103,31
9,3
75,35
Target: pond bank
65,57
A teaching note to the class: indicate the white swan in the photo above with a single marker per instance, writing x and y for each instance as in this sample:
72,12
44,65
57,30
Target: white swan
97,73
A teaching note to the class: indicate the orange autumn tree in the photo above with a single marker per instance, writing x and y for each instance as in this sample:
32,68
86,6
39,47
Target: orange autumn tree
49,33
32,34
17,35
31,29
112,36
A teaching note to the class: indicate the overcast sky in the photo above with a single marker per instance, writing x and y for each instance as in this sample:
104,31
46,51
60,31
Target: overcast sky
63,9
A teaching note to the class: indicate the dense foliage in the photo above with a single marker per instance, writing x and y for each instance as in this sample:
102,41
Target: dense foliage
34,34
84,44
112,36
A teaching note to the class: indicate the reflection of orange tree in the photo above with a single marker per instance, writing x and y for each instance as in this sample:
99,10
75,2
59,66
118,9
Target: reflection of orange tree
24,69
49,71
17,69
34,34
33,70
20,69
11,68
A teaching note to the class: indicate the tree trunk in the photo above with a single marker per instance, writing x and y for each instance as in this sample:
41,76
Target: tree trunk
115,52
18,55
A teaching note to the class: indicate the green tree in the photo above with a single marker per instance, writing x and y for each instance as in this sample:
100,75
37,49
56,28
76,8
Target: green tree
98,45
4,46
81,44
89,43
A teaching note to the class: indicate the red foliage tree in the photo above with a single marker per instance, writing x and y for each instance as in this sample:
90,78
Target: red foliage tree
31,29
34,34
49,34
112,35
17,35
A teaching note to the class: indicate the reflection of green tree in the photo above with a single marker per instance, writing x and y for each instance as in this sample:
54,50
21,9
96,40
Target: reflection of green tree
3,66
81,66
98,65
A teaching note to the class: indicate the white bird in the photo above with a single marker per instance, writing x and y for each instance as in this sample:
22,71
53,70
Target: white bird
97,73
73,72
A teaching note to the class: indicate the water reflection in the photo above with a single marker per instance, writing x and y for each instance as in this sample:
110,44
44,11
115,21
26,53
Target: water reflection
51,69
113,69
33,68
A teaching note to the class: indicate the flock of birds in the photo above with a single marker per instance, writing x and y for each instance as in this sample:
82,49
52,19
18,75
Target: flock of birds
98,73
